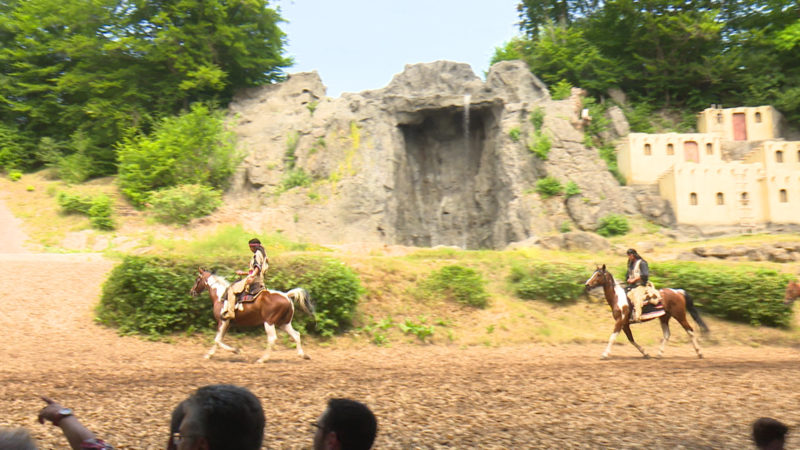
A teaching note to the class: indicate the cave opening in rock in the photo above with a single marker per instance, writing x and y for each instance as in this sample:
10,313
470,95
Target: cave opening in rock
446,183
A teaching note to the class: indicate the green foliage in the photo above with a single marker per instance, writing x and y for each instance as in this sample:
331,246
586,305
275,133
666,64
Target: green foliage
561,90
510,51
14,175
318,145
14,147
74,203
149,295
514,134
613,225
289,157
639,117
565,227
549,186
540,145
461,284
608,153
571,189
312,106
181,204
294,178
553,282
104,69
99,208
743,294
537,118
420,330
194,148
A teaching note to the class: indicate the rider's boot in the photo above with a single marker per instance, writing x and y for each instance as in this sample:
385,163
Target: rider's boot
229,312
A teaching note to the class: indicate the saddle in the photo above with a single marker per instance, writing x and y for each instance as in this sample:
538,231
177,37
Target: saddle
248,297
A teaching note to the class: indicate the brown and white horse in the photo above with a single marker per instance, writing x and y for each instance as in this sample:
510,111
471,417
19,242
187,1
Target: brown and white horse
792,292
270,309
676,302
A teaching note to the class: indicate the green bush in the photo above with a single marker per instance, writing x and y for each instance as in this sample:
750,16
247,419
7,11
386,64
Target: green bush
99,208
548,187
14,148
613,225
561,90
194,148
461,284
514,134
742,294
556,283
571,189
294,178
74,203
181,204
540,145
100,213
150,295
537,118
14,175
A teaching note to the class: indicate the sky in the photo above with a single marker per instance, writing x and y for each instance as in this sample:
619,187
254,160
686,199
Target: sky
356,45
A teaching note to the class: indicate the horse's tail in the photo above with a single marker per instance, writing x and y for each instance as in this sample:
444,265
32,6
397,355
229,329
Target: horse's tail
694,312
303,298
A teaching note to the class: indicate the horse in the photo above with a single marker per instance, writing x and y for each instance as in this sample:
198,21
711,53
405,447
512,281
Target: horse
269,308
676,302
792,292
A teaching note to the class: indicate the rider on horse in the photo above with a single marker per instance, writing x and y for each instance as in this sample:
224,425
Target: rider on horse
254,281
640,289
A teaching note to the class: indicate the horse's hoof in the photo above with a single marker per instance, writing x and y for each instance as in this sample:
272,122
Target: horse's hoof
646,356
207,357
308,357
604,356
261,361
700,355
236,351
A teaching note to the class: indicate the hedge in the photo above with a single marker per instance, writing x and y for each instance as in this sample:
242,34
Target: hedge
150,295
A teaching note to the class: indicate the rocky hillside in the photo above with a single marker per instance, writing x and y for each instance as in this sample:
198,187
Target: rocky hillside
437,157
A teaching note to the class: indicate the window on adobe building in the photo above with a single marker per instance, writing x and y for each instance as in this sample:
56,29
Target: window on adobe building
744,199
719,117
693,199
779,156
670,149
647,149
720,198
798,156
709,149
758,117
783,196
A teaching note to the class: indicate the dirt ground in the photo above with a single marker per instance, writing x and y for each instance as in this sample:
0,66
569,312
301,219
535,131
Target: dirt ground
527,396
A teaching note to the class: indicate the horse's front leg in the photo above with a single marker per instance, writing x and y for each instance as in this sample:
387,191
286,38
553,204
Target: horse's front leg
272,336
296,336
617,327
629,334
221,330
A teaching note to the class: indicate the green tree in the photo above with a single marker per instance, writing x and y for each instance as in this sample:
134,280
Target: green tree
194,148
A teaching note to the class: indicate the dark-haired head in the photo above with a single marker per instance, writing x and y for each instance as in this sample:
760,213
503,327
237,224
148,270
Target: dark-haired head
254,241
227,417
352,423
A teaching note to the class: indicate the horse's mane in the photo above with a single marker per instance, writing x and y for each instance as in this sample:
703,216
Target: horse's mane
219,283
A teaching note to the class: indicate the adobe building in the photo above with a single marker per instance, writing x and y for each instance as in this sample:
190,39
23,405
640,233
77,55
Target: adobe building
704,185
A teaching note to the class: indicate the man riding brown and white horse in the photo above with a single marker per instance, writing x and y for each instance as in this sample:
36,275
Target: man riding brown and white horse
253,283
640,289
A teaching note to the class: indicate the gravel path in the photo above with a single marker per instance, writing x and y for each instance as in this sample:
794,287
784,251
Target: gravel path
513,397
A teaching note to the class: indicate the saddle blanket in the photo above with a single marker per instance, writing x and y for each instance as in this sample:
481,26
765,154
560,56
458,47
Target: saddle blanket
650,311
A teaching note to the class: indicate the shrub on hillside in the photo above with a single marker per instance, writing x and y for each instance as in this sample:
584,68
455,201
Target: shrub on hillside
613,225
181,204
742,294
549,186
557,283
150,295
98,208
461,284
194,148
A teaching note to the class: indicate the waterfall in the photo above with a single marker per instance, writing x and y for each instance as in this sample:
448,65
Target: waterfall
467,99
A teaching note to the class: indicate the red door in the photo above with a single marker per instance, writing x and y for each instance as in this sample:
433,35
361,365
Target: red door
739,127
690,152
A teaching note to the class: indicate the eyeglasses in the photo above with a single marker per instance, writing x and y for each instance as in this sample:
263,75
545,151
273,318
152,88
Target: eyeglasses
316,425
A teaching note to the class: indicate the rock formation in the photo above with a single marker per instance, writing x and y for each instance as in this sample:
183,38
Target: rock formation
437,157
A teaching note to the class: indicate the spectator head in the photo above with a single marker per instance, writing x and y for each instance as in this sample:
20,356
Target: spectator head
769,434
16,439
345,425
218,417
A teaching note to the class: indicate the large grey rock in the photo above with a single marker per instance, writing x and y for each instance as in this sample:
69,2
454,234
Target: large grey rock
428,160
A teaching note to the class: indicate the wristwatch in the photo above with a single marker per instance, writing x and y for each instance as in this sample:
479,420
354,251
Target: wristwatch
63,412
